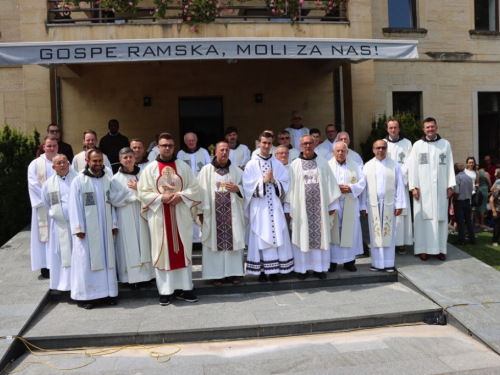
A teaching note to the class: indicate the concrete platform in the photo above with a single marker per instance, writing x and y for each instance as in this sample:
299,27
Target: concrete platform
229,316
466,288
386,351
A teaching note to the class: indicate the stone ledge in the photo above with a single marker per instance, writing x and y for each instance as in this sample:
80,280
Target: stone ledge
484,34
450,56
389,31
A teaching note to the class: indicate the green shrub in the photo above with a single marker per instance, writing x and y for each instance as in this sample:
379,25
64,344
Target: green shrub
410,129
17,150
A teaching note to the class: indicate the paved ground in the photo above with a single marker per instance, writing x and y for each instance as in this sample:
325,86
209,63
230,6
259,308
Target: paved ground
387,351
468,289
239,315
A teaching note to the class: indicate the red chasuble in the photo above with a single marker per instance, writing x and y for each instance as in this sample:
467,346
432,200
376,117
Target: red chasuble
170,182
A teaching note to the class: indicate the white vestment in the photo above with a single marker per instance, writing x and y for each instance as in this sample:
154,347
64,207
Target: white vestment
323,152
153,154
296,134
400,151
357,183
431,170
87,284
354,156
223,229
38,174
79,163
240,155
60,275
257,151
133,246
327,146
165,237
142,165
196,161
293,154
268,240
312,194
383,225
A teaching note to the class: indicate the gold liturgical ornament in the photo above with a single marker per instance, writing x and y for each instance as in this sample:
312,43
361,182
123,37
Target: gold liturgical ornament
169,182
211,148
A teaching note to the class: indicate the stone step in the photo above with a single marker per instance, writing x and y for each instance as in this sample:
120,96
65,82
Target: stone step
250,284
229,316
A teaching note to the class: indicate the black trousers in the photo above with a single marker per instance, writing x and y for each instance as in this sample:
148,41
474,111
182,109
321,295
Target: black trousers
496,230
463,219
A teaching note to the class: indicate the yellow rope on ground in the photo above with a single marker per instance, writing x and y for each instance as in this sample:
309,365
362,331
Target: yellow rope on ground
470,304
91,353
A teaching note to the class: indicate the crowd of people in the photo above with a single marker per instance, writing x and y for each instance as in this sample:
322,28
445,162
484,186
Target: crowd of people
116,214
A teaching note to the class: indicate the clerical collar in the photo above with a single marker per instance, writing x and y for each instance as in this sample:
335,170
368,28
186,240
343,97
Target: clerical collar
158,158
399,138
134,172
64,177
186,149
301,156
113,135
237,145
425,139
88,173
345,161
301,126
217,165
265,158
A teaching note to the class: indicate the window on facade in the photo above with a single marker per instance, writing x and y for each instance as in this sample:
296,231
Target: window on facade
407,102
402,14
486,15
488,105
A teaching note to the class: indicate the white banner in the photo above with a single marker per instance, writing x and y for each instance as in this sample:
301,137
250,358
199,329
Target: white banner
83,52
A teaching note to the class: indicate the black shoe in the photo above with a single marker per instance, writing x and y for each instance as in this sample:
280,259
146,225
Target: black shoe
302,276
320,275
87,305
111,301
187,296
274,278
333,267
350,267
375,269
45,272
401,250
165,300
390,270
262,278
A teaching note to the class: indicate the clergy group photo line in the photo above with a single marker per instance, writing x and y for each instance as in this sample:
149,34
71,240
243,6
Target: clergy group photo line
125,213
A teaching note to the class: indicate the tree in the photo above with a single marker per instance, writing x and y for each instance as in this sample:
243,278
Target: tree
410,128
17,150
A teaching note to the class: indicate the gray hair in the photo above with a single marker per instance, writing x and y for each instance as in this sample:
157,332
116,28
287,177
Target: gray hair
125,150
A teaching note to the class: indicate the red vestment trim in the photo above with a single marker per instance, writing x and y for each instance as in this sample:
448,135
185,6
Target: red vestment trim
175,247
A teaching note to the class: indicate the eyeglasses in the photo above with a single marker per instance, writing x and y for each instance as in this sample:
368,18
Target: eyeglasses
307,143
282,153
168,145
282,138
297,118
54,131
380,148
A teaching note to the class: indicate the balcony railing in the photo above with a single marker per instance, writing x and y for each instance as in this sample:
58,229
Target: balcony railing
256,11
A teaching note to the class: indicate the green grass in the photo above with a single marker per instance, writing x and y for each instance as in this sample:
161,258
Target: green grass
483,250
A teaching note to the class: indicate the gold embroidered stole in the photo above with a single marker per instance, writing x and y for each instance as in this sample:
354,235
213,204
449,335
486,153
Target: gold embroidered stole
41,212
349,213
381,230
